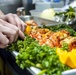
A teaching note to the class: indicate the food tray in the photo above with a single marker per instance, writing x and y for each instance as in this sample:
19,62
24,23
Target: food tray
35,71
41,21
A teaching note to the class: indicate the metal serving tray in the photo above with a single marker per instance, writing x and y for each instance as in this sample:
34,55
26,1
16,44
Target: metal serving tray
35,71
40,22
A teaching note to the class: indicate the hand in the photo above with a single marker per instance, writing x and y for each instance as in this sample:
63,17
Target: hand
8,33
15,20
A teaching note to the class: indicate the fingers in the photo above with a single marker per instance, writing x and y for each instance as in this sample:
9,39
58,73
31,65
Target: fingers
9,25
10,18
20,24
18,31
21,34
10,33
10,28
23,25
15,20
3,41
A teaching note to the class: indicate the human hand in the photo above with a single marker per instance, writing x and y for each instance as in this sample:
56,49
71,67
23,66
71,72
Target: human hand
15,20
8,33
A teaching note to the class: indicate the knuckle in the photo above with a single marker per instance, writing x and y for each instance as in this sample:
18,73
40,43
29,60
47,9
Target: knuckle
14,32
8,15
15,15
17,29
7,42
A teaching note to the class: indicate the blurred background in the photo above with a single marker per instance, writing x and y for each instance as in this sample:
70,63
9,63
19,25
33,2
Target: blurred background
10,6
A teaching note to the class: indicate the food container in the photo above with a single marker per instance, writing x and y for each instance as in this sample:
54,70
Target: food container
58,10
20,11
35,13
40,21
25,18
34,70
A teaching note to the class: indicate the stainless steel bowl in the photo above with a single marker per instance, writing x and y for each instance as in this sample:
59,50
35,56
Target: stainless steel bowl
25,18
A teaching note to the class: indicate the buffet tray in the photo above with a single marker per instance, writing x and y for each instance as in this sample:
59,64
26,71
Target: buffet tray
35,71
40,22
